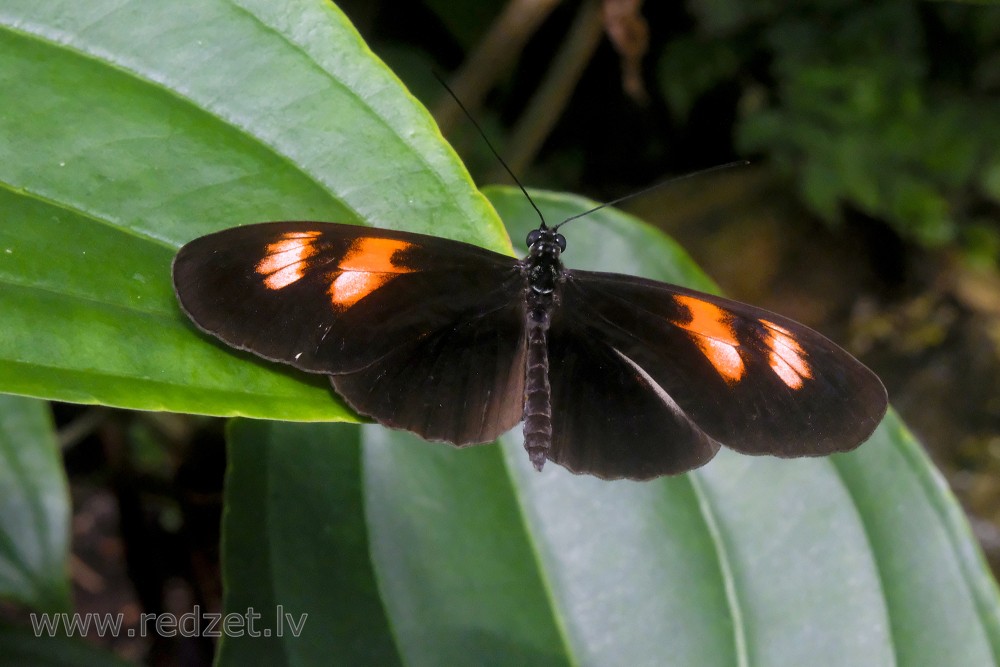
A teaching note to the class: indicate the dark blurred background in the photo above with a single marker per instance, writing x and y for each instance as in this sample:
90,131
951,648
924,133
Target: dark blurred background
869,211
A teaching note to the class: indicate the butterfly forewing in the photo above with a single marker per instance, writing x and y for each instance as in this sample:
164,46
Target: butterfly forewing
418,332
752,380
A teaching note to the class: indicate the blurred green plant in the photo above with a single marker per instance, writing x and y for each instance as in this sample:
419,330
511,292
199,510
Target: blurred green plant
886,108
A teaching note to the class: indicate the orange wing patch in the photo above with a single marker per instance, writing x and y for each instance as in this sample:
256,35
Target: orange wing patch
787,358
286,260
368,264
713,334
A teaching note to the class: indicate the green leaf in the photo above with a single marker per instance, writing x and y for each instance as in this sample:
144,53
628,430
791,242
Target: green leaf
855,559
21,647
746,561
295,545
129,128
942,599
34,508
457,569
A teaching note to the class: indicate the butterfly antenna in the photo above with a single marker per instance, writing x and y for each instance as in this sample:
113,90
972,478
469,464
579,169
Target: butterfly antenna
492,149
672,179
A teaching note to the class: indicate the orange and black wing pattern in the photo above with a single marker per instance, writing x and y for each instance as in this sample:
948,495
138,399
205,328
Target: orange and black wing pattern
680,372
396,319
641,378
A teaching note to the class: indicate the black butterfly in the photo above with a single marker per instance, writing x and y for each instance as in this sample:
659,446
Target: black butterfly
613,375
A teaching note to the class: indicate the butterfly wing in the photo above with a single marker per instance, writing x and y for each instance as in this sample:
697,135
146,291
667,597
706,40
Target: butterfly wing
714,370
608,418
418,332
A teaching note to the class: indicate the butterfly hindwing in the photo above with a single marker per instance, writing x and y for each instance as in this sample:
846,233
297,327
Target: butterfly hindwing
608,418
396,319
757,382
460,382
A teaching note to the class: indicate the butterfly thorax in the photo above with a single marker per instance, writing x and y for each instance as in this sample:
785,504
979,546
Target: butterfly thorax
543,272
543,267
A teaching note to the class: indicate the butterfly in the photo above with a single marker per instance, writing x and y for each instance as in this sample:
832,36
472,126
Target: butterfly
613,375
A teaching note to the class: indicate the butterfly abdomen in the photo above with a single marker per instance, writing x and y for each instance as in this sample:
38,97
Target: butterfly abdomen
537,391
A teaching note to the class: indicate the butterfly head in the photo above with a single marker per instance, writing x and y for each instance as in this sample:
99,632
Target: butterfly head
545,242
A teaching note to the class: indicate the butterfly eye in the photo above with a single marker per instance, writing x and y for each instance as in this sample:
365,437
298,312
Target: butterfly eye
561,240
533,237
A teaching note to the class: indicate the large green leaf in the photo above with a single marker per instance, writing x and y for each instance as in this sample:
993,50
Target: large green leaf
307,564
858,559
862,558
34,508
129,127
34,539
